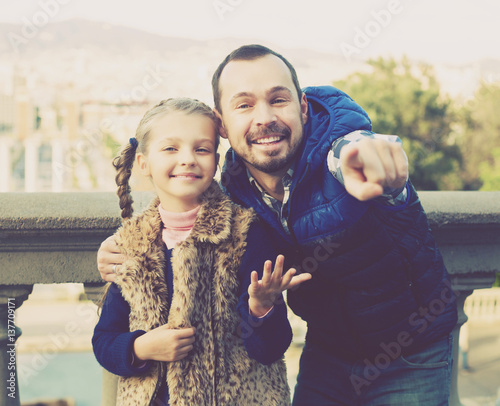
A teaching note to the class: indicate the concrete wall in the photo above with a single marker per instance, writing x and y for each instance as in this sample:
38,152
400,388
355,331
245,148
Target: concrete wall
54,238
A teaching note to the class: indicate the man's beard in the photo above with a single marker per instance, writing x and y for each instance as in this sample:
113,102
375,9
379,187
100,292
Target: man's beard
271,165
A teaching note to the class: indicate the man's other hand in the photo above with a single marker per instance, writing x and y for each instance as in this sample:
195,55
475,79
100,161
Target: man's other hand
109,259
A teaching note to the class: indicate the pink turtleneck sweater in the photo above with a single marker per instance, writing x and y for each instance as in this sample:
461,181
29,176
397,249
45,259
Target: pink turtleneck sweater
177,226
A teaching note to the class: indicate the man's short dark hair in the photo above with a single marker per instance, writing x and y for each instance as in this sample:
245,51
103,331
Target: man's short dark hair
248,53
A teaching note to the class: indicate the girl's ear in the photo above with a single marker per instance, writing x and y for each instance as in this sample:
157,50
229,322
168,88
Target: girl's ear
143,164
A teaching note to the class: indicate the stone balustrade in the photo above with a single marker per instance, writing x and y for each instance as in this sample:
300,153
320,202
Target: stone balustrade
53,238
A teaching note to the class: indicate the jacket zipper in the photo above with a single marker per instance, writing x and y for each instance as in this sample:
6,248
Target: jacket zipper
289,210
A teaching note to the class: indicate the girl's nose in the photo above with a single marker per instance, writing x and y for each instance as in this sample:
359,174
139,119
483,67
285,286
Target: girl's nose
186,157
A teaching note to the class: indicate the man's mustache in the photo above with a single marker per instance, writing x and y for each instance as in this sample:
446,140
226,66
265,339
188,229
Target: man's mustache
271,129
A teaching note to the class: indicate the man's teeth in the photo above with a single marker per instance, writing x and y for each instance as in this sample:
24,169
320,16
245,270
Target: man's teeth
267,140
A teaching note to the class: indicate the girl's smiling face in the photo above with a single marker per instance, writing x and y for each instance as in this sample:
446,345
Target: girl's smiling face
181,158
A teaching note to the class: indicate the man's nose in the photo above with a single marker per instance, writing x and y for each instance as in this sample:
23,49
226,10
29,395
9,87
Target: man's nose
264,114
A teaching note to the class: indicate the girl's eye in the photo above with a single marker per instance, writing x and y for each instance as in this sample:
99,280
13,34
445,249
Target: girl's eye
169,149
243,106
203,150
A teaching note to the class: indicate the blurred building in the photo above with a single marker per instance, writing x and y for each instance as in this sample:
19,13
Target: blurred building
7,114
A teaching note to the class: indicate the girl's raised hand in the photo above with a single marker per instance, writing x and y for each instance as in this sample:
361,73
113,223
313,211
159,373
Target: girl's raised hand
164,344
264,293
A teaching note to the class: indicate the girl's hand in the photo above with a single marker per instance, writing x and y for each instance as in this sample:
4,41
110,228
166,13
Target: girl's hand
264,293
164,344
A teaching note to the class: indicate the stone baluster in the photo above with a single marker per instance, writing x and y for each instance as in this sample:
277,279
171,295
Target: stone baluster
463,286
11,298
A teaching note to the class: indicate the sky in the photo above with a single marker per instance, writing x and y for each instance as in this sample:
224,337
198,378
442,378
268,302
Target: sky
445,31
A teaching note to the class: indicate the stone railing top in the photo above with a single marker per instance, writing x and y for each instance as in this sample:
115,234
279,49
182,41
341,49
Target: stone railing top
54,237
461,208
100,211
466,226
63,211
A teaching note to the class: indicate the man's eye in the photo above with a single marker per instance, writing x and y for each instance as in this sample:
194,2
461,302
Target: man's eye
243,106
277,101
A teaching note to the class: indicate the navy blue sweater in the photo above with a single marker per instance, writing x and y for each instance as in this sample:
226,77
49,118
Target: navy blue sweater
270,336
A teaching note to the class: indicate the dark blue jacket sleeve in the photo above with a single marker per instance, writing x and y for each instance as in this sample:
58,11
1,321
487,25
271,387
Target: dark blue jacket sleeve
112,341
266,339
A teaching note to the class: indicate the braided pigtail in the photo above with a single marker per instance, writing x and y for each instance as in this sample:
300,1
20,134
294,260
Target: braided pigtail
123,164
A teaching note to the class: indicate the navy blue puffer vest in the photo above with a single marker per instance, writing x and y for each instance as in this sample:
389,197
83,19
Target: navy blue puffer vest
378,277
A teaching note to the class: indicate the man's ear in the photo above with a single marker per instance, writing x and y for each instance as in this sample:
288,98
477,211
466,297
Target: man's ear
142,164
220,125
303,108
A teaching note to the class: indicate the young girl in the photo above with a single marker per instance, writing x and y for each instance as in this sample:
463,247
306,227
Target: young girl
187,321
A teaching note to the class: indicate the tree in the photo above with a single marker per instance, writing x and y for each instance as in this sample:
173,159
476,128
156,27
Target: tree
480,138
489,172
405,100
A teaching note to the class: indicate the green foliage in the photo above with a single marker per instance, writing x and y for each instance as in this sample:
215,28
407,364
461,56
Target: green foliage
480,138
489,171
405,100
111,145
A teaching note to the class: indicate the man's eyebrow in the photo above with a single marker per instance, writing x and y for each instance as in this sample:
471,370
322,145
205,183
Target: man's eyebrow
275,89
241,94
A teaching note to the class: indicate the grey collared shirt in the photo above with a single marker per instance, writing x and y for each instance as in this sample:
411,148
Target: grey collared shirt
280,208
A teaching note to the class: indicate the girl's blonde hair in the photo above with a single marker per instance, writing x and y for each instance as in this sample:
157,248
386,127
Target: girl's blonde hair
125,161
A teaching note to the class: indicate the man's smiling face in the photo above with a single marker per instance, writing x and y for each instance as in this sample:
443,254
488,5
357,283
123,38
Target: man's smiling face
262,115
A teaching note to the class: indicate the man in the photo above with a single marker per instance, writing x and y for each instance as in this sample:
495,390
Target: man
336,199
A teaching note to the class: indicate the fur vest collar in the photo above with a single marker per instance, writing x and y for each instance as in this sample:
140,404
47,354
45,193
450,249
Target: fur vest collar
205,268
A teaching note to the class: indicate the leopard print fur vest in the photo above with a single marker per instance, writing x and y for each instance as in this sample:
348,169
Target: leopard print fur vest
205,267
